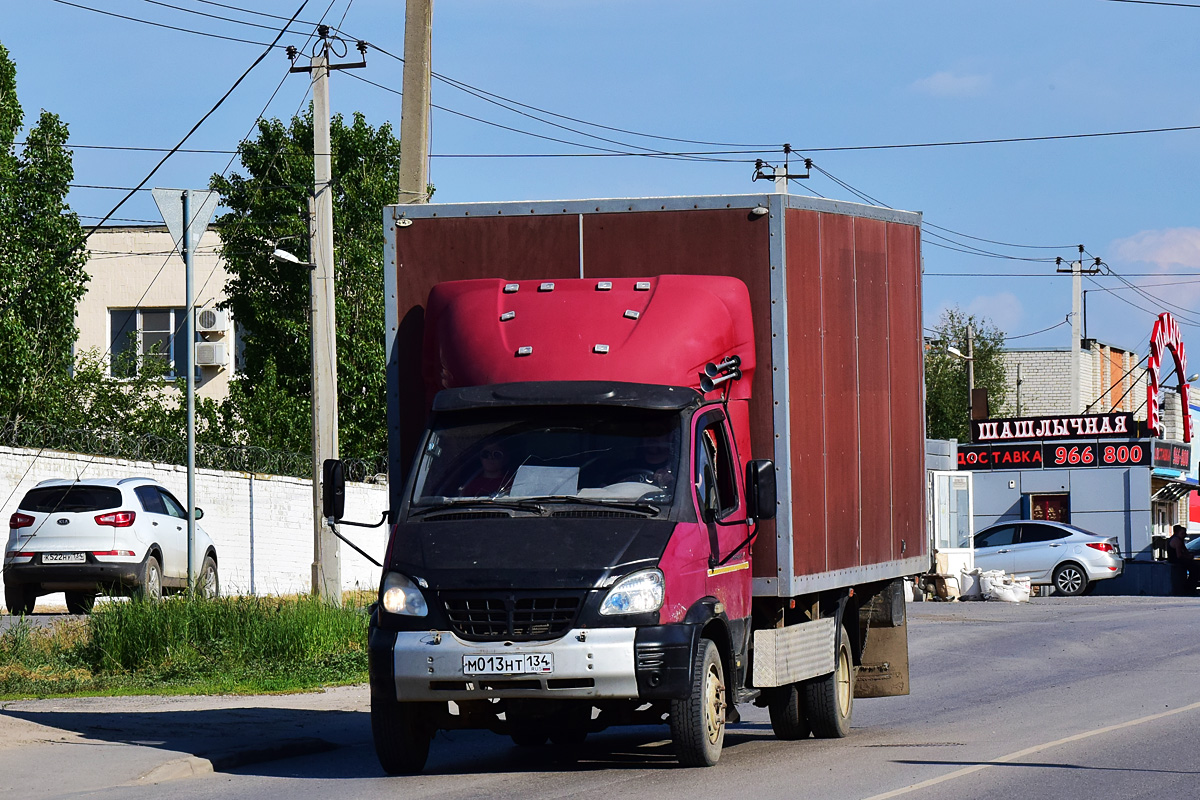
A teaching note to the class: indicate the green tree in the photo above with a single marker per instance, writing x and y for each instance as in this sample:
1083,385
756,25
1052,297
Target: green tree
270,400
946,374
41,260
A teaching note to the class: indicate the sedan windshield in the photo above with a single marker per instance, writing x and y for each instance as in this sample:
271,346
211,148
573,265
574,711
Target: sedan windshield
583,453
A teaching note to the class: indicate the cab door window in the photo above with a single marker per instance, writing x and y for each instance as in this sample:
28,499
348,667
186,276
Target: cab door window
715,479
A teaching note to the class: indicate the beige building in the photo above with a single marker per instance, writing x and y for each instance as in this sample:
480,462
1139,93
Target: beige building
136,298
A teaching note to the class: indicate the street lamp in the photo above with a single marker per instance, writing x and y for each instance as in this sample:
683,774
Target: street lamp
326,571
968,357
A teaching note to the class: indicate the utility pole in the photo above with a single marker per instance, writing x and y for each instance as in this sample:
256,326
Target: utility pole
414,108
1077,272
970,377
1076,333
326,566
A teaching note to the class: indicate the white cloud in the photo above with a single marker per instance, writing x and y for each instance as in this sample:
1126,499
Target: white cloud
952,84
1003,309
1170,247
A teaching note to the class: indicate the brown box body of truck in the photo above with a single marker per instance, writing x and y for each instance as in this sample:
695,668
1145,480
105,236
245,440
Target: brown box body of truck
838,398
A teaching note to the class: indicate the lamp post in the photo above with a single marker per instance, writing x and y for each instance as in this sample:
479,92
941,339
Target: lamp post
326,567
969,357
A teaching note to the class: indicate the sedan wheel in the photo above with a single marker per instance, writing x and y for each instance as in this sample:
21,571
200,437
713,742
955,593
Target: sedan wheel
1070,579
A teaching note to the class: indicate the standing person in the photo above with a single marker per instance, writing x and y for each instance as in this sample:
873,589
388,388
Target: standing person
1181,561
493,476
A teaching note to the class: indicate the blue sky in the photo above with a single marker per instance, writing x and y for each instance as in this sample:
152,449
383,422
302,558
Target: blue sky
831,75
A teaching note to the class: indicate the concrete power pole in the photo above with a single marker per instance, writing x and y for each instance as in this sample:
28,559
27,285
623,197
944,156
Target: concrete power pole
1076,320
326,567
414,108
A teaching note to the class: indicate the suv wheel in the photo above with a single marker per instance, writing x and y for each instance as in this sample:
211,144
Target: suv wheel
19,598
80,602
151,588
208,585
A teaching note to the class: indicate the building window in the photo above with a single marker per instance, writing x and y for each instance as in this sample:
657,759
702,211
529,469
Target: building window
140,336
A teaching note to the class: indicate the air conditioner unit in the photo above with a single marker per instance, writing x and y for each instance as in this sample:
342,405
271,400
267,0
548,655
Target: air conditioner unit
211,320
210,354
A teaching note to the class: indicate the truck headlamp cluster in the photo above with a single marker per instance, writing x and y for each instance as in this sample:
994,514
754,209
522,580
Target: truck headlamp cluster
400,595
638,593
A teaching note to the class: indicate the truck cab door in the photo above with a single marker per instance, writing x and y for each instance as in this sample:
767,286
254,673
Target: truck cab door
721,510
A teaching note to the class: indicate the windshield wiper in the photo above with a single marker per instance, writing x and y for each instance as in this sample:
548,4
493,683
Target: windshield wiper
460,502
626,505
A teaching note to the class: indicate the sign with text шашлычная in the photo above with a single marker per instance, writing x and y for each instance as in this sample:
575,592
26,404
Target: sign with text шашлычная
1084,426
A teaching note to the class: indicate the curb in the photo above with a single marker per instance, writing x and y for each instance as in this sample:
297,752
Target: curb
222,761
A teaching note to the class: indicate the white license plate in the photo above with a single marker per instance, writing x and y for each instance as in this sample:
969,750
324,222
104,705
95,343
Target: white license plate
500,664
64,558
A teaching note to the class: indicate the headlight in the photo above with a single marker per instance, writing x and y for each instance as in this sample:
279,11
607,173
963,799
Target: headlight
638,593
400,595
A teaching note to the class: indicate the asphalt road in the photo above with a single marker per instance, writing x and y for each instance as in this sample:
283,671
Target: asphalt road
1092,697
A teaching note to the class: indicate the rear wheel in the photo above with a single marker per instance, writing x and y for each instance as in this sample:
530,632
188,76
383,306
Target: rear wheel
830,699
789,719
402,734
698,721
1070,579
151,587
80,602
19,598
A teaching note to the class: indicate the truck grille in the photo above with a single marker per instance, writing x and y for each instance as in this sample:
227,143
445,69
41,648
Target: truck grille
512,616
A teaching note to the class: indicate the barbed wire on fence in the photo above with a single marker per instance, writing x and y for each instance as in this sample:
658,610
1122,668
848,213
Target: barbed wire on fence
165,450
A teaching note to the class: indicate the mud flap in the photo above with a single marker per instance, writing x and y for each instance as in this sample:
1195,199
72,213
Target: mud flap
884,668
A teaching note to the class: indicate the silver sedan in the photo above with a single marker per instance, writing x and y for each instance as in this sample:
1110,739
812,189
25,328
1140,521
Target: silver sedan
1053,553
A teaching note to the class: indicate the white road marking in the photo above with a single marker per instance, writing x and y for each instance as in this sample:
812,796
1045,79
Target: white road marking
958,773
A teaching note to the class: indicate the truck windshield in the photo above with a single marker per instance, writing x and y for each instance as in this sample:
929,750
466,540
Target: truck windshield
588,453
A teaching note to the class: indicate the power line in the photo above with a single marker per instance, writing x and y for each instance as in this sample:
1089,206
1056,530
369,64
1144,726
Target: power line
211,111
1011,140
1156,3
163,25
1035,333
604,150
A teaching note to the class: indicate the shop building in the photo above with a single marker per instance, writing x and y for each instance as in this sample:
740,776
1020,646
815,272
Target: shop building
1109,473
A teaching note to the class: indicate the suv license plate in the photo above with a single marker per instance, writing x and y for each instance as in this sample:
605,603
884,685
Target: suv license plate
499,664
64,558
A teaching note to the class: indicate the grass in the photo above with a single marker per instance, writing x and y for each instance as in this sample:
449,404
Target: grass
229,645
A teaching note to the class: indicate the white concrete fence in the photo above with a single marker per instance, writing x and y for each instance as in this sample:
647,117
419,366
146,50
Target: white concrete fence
261,524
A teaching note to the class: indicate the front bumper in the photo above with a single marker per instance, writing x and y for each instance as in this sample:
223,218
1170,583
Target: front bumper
644,663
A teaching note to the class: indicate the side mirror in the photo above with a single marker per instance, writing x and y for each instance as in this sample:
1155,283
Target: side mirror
199,513
333,489
761,496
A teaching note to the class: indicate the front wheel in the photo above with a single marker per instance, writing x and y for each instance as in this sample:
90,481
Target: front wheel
698,721
1070,579
208,585
402,734
19,598
830,699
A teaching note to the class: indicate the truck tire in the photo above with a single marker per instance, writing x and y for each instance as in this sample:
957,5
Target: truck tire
19,598
402,734
698,721
789,718
830,698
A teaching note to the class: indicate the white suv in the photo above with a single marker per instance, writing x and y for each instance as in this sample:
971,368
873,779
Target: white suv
114,535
